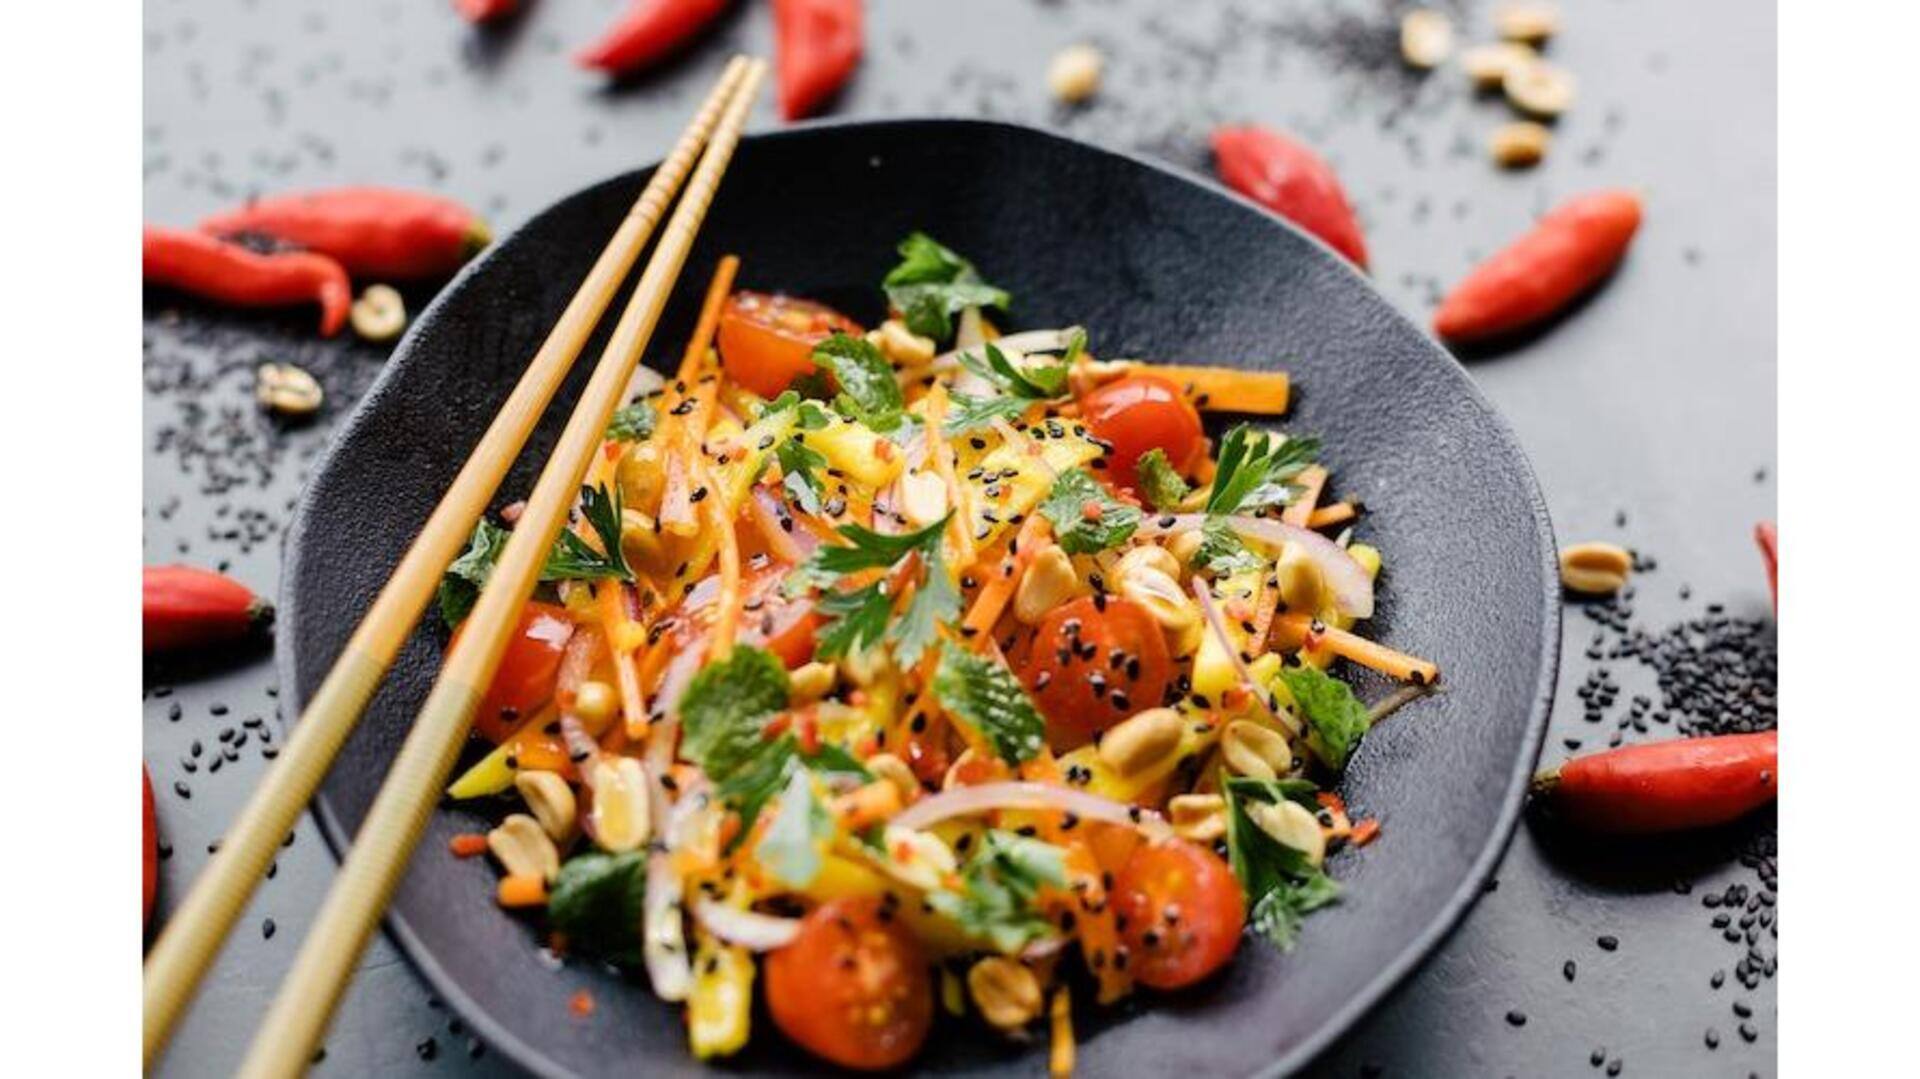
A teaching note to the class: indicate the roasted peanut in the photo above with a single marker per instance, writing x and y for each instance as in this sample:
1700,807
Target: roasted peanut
897,772
1251,749
1426,38
1074,74
901,345
1184,545
1005,991
1048,583
1595,569
551,801
1527,21
288,390
524,849
1290,824
1201,818
595,703
1150,576
1141,741
1487,65
1539,89
918,859
1520,144
379,314
812,681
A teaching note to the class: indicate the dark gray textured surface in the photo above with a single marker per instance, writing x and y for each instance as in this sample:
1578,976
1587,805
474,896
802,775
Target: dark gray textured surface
1656,400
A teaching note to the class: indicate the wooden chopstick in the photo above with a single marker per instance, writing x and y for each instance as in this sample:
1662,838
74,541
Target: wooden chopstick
191,939
305,1003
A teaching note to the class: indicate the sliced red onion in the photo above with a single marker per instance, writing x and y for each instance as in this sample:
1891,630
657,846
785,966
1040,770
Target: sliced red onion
1044,947
1218,625
663,935
1348,580
987,797
750,930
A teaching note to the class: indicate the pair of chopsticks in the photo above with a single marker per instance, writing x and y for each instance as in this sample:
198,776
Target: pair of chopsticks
300,1013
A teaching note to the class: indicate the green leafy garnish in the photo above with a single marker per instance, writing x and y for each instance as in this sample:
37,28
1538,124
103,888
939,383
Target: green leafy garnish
999,885
790,847
1254,469
634,423
800,466
868,391
461,585
859,618
597,902
856,620
931,284
726,706
935,604
1336,721
1038,382
1282,886
971,413
767,772
1080,531
573,560
984,695
1222,552
1160,481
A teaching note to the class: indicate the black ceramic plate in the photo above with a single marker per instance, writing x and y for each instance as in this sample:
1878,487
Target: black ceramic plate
1155,264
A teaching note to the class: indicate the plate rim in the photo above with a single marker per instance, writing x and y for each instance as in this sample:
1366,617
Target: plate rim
1370,995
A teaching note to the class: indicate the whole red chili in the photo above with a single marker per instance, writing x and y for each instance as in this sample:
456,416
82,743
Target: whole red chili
816,45
149,849
648,31
484,11
1768,537
185,607
379,232
1292,181
1666,786
1567,253
229,273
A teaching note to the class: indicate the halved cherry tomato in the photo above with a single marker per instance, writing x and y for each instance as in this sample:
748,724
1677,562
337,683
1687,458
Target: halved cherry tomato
527,671
767,341
1139,413
769,619
853,987
1181,910
149,849
1093,663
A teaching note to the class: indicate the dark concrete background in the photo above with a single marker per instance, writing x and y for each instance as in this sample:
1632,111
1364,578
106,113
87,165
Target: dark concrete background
1650,415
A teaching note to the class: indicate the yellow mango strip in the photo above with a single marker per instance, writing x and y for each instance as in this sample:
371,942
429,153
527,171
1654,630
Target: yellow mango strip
1258,393
529,746
1060,1017
727,606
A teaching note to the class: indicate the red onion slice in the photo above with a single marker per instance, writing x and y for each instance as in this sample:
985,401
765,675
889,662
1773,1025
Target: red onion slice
750,930
1348,580
987,797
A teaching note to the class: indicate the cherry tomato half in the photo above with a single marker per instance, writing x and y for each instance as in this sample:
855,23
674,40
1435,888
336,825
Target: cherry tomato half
1182,911
853,987
1139,413
767,341
1093,663
149,849
527,670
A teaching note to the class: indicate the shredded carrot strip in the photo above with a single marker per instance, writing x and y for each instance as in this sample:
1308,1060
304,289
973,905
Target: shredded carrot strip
1338,513
703,330
1365,832
523,891
1300,631
727,605
1060,1057
1312,481
866,805
1260,393
467,845
994,594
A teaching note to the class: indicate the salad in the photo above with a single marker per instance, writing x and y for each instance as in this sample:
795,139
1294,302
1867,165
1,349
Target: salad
927,670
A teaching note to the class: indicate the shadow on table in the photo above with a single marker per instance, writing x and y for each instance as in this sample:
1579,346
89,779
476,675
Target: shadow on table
1633,865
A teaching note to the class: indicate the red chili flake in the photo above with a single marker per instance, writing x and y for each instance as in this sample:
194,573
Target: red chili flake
1331,801
1365,832
581,1004
467,845
1090,510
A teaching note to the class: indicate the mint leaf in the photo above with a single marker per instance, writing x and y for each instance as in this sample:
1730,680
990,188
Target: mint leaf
758,778
597,901
1254,468
460,587
999,886
634,423
970,413
1336,721
868,391
984,695
1086,518
789,850
1222,552
931,284
1160,481
572,560
726,706
1280,883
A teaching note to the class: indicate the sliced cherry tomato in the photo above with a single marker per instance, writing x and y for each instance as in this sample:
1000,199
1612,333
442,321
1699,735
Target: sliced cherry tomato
767,341
853,987
1182,913
527,671
1093,663
1139,413
149,849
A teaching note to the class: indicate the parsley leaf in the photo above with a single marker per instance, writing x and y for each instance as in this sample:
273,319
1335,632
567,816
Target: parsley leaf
970,412
1254,469
936,602
868,549
1034,382
860,617
868,391
1335,719
597,901
789,850
931,284
725,707
800,467
461,585
634,423
1222,552
1160,481
984,695
1282,886
857,620
573,560
1079,531
999,885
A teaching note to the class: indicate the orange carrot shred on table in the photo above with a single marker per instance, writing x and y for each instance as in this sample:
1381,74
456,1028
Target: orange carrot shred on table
581,1003
468,845
1337,513
1365,832
522,891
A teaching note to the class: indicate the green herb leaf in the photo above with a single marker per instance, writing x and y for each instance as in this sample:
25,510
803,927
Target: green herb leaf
1222,552
572,560
935,603
1000,882
985,695
931,284
758,778
1079,532
1033,382
800,467
790,847
1254,468
867,549
971,413
726,706
868,391
1336,721
634,423
856,620
598,902
461,585
1160,481
1281,884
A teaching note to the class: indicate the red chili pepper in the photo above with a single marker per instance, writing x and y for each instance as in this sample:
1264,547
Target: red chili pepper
485,11
816,45
1292,181
379,232
1768,537
649,31
184,607
1667,786
149,849
217,270
1566,254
